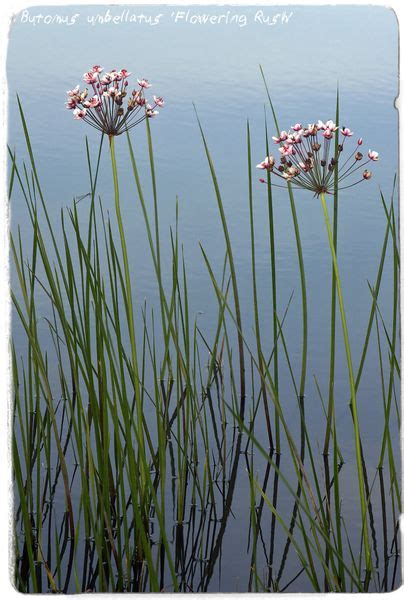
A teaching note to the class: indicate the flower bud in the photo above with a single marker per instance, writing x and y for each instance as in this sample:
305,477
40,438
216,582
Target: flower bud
367,174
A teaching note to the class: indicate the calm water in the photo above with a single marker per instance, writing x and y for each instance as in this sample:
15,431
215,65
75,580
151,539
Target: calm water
217,68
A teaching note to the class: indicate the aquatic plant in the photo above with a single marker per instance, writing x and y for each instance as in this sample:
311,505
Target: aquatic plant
308,161
107,109
131,434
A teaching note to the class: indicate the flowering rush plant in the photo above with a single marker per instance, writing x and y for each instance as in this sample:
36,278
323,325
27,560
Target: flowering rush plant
307,160
109,107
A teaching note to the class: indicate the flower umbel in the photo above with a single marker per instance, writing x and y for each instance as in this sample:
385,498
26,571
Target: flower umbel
309,161
110,108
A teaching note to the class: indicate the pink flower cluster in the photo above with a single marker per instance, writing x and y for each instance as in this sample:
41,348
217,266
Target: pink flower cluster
105,107
308,160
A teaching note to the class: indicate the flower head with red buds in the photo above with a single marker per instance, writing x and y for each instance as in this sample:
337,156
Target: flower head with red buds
104,109
312,158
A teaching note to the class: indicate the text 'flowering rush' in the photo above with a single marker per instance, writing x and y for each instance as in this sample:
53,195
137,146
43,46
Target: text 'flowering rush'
105,108
307,160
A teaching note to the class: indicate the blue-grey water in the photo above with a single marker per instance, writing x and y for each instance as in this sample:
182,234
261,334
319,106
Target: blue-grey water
305,54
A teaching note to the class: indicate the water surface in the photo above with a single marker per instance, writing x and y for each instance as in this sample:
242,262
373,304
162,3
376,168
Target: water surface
305,56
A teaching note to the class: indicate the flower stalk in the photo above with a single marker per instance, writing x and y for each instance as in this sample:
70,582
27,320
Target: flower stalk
330,408
359,465
130,317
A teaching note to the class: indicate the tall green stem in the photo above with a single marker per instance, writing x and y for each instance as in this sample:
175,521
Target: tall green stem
359,465
128,304
330,410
